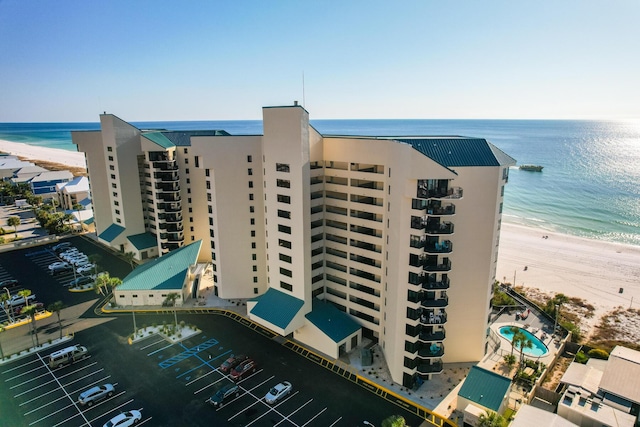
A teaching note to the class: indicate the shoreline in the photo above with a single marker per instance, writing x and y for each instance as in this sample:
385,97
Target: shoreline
34,153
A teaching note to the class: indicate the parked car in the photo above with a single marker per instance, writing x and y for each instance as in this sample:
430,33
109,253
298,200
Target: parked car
18,310
85,268
20,300
245,368
232,362
61,246
69,251
8,283
95,394
278,391
79,281
224,394
68,257
61,269
79,260
57,264
125,419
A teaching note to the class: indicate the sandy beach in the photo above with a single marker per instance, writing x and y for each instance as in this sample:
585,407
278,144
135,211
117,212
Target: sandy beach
54,155
593,270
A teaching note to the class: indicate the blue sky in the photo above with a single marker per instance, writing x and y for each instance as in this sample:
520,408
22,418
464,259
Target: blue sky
70,60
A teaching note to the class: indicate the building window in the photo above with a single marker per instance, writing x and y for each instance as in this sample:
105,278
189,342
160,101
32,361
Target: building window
111,167
252,221
191,228
208,184
118,220
113,185
115,194
285,258
188,181
255,279
117,212
186,161
284,183
284,199
253,233
251,209
284,243
206,173
284,229
255,291
253,245
208,197
286,272
185,150
250,196
253,257
255,268
186,171
249,171
197,160
190,210
109,148
111,158
249,159
210,209
250,184
284,214
189,200
286,286
113,176
282,167
117,203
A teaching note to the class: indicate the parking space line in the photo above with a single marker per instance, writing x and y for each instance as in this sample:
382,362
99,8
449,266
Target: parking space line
160,349
18,367
273,409
201,377
117,407
316,416
335,422
207,386
187,353
22,374
63,390
152,344
240,412
52,391
204,363
85,410
287,417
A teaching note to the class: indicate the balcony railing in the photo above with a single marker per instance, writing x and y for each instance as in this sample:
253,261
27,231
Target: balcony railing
435,302
169,197
433,350
433,285
433,336
435,367
433,317
443,247
167,186
166,176
165,165
433,267
436,209
440,193
443,228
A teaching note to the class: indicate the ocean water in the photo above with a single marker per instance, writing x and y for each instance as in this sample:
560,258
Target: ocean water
590,185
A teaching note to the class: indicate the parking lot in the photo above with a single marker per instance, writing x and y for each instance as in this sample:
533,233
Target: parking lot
170,382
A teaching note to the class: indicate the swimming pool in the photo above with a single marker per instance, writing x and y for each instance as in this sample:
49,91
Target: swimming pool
538,349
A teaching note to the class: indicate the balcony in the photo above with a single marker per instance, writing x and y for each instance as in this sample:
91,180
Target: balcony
167,186
433,350
166,247
432,336
438,228
435,208
430,302
431,284
443,247
170,217
171,227
165,165
173,237
430,266
434,367
441,192
432,317
169,197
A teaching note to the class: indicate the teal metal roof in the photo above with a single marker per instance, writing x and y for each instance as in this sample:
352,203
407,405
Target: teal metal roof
455,151
166,273
89,221
336,324
143,240
159,138
111,232
277,307
485,388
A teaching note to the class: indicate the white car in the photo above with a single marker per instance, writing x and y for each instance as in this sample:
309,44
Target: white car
19,300
96,394
85,268
79,260
69,252
278,391
125,419
58,264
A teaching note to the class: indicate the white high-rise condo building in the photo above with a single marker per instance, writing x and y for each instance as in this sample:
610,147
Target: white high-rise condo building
333,239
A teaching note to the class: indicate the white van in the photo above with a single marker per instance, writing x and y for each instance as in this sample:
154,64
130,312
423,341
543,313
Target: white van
67,355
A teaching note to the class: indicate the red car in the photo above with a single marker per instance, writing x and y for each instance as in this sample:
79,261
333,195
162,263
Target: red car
243,369
232,362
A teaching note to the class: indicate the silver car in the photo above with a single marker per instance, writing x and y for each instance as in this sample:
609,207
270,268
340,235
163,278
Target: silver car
95,394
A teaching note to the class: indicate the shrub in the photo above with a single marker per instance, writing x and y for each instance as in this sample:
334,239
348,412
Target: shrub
581,357
182,323
598,353
510,359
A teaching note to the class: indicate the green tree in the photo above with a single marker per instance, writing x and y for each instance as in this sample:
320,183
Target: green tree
490,419
129,256
31,310
4,297
516,338
14,221
56,307
394,421
525,343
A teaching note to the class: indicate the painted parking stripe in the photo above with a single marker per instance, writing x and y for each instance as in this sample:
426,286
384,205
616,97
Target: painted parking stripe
188,353
273,409
55,390
205,364
209,385
160,349
335,422
316,416
286,418
152,344
201,377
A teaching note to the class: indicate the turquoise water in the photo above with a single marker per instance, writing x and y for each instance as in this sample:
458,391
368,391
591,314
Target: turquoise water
538,349
588,188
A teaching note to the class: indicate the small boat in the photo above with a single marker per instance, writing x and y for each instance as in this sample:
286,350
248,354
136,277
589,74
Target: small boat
532,168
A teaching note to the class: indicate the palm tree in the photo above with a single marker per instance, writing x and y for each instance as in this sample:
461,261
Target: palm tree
129,256
31,310
14,221
4,297
170,300
25,294
490,419
56,307
517,337
95,259
1,331
524,344
113,283
102,281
